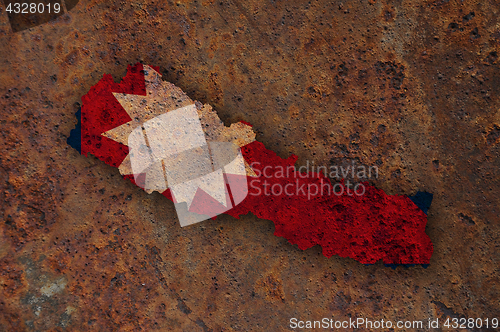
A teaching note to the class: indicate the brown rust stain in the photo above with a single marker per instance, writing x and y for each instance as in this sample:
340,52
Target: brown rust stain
271,288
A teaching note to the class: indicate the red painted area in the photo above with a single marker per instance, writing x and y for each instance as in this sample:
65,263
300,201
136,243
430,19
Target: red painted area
371,227
248,124
205,204
102,112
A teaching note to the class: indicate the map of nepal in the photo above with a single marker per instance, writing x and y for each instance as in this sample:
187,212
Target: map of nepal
171,150
163,141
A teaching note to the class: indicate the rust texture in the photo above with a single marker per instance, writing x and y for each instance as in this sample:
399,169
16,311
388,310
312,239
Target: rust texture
409,86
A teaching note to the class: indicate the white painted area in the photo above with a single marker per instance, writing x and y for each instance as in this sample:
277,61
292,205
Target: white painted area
174,132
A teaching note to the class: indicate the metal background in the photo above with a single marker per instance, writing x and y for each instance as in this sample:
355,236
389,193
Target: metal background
409,86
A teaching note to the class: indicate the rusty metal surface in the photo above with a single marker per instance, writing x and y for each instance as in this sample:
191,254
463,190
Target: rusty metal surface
409,86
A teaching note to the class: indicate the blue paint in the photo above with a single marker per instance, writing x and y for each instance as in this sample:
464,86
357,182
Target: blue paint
75,136
423,200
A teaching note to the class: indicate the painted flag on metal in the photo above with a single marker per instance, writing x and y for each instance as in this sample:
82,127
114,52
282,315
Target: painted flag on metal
163,141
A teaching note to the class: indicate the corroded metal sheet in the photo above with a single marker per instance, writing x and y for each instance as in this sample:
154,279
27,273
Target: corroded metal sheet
411,87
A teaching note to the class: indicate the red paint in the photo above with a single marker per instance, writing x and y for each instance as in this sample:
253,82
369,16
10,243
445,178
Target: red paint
368,228
102,112
248,124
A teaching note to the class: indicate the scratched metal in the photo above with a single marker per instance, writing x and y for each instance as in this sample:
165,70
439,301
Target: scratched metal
412,87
